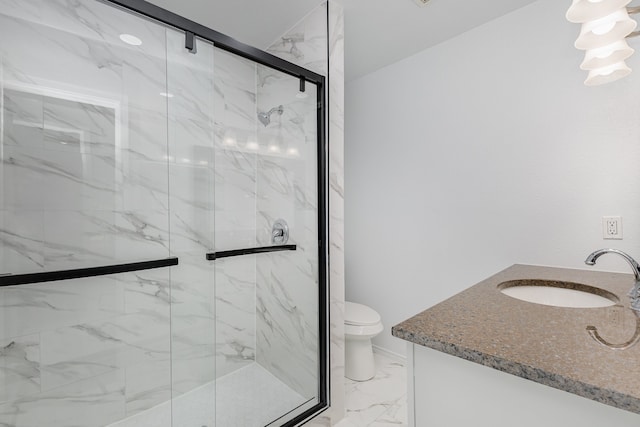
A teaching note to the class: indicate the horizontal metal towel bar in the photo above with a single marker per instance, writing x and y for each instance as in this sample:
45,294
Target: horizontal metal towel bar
236,252
78,273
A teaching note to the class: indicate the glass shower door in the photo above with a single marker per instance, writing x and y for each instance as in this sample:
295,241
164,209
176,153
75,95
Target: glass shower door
266,303
83,189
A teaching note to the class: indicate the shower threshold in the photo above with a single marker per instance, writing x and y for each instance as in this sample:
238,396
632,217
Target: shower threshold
248,397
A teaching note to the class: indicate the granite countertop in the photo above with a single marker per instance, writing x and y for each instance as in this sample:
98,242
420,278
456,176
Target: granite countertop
548,345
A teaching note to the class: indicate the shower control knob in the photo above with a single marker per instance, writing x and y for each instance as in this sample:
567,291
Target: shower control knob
280,232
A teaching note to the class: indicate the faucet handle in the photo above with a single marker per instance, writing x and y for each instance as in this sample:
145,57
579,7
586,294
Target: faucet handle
280,232
634,297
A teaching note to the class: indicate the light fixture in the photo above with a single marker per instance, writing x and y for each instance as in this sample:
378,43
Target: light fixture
130,39
607,74
252,145
606,30
606,55
166,95
588,10
605,26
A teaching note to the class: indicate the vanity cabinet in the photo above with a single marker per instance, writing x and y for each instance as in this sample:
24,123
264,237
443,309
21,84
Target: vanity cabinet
447,391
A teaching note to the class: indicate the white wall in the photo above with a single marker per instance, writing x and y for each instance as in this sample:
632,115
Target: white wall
485,151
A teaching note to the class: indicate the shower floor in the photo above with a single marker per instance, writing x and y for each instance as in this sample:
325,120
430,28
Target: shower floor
248,397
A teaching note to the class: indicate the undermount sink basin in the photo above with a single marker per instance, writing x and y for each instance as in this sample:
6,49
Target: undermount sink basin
558,294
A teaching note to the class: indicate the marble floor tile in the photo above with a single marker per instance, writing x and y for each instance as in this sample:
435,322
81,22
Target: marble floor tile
381,401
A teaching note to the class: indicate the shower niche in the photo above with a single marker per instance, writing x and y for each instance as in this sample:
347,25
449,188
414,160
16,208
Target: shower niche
139,185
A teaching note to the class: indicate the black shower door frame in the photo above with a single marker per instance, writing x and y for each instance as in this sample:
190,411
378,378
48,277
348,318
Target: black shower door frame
193,29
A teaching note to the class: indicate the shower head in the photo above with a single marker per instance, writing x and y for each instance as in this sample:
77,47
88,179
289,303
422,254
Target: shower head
265,118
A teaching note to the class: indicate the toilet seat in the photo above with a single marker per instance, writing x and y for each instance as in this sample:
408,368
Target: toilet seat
360,315
363,332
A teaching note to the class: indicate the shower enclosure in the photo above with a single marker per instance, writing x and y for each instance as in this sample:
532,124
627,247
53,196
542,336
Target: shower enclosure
162,223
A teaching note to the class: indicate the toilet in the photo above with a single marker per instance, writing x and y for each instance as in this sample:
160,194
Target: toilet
361,323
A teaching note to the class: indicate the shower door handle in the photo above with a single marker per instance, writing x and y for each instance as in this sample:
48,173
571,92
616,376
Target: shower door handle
212,256
80,273
279,239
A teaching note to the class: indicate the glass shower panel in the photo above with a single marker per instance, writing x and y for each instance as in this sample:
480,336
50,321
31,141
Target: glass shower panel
287,283
83,137
191,95
88,352
83,183
267,362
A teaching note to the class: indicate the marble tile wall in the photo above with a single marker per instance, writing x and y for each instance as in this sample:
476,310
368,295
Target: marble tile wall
287,283
336,207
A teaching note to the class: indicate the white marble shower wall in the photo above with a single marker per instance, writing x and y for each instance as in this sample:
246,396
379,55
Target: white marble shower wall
83,147
287,282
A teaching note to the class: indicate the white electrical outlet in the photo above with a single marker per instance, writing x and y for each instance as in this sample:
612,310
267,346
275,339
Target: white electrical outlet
612,227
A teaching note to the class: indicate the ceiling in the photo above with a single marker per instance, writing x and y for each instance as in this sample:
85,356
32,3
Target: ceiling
381,32
255,22
377,32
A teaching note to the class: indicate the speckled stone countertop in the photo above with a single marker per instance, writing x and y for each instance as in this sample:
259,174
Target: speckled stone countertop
548,345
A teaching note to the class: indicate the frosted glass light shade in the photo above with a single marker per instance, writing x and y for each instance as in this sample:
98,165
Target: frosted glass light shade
607,74
589,10
604,31
607,55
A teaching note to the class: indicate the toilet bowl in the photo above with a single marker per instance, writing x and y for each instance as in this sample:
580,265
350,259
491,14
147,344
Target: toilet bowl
361,323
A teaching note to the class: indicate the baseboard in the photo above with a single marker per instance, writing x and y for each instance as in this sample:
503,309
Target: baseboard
390,354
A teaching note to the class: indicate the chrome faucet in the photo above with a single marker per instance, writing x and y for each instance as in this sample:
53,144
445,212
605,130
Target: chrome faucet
634,293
